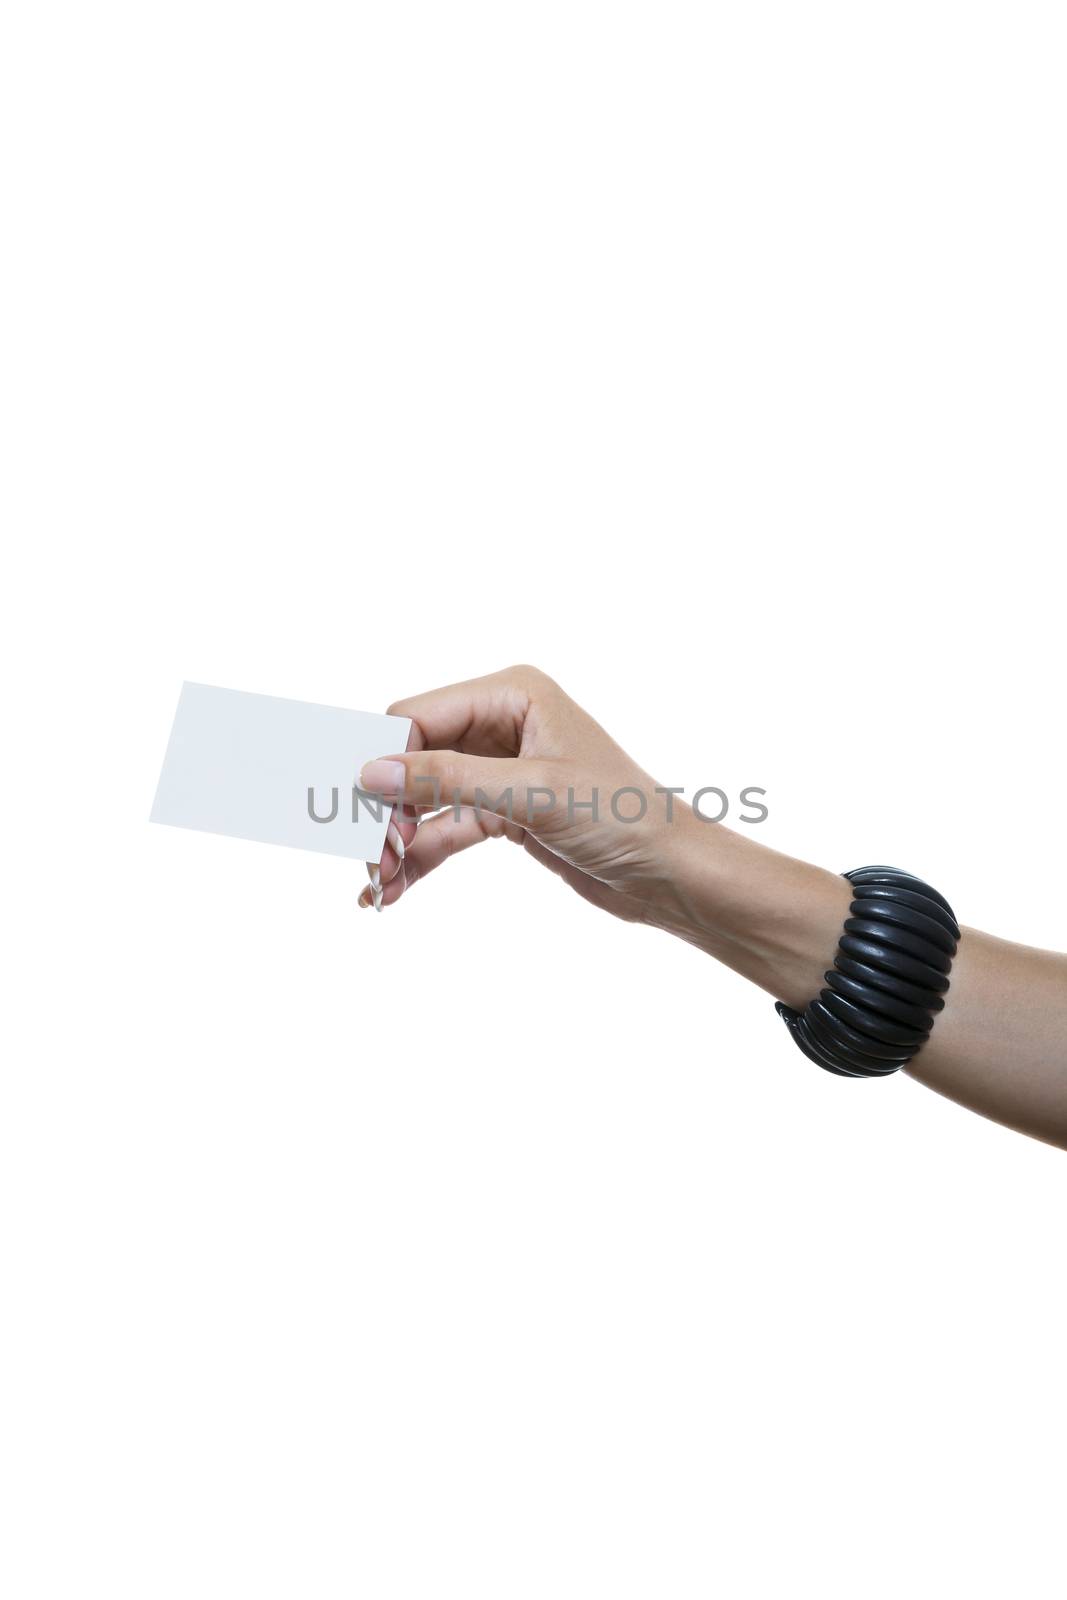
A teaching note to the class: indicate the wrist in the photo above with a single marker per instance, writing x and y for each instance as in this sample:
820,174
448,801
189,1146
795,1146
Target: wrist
774,919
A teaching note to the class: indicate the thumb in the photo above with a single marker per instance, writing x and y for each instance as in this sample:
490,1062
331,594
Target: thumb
431,779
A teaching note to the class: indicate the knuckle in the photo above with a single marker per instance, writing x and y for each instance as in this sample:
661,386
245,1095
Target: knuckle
447,776
424,774
527,675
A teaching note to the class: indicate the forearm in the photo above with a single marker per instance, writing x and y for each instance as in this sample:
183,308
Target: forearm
998,1047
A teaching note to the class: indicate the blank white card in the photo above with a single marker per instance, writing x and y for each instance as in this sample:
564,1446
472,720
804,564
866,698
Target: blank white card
278,771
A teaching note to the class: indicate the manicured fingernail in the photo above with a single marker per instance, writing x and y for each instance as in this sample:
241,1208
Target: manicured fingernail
365,898
375,877
396,839
383,777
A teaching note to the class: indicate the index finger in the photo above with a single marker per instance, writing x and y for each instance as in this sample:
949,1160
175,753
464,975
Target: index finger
482,717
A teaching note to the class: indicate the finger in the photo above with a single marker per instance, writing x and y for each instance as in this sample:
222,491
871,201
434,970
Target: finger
482,717
399,834
442,837
400,830
374,893
429,779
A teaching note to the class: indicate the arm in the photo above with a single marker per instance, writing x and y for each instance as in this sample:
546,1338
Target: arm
1000,1045
528,764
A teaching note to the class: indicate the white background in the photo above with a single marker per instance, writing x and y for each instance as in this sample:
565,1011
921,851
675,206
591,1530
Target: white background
710,357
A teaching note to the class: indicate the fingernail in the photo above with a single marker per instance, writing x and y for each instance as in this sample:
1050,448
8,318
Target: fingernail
375,877
383,777
365,898
396,839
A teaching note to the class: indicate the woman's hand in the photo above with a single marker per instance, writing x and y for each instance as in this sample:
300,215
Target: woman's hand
512,756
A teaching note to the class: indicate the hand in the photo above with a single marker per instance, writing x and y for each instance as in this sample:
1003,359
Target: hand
511,756
525,763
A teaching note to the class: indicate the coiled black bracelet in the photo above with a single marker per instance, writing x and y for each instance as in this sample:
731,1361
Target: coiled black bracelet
888,980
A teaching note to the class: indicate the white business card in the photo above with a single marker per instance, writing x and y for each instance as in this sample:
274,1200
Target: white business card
278,771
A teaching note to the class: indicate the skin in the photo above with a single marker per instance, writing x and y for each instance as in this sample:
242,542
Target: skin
1000,1045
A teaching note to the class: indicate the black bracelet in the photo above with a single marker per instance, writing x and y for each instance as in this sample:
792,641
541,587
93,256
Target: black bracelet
888,979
